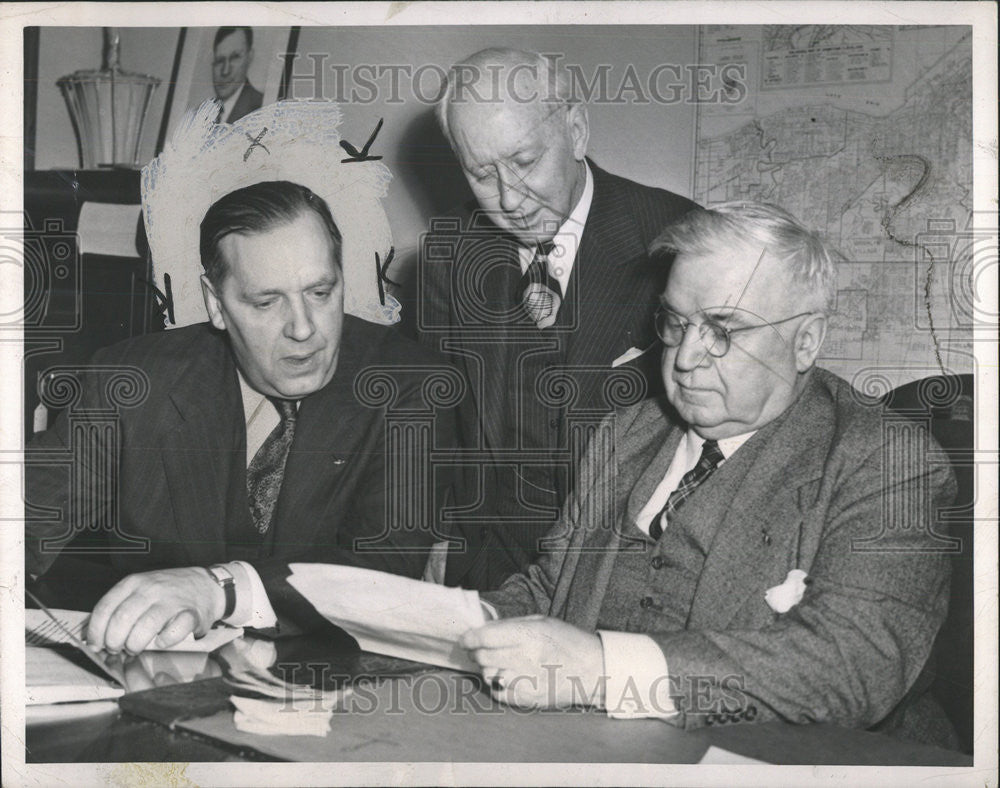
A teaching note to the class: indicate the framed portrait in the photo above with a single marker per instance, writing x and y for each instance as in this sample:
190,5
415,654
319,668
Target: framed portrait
243,67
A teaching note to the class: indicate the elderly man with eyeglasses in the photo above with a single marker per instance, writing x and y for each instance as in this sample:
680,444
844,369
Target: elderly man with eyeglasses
759,546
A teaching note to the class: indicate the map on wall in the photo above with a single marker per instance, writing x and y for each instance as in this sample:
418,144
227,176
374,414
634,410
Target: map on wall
865,134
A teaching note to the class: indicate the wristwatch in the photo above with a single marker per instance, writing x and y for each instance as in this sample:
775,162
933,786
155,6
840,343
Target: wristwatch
225,578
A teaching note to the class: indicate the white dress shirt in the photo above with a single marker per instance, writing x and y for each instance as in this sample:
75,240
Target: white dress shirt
636,668
567,238
253,608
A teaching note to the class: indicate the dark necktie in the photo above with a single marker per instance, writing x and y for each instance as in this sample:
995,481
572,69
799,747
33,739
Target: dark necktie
267,468
541,294
710,459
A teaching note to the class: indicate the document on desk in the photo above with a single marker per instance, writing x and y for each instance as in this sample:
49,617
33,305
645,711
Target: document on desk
389,614
41,630
52,676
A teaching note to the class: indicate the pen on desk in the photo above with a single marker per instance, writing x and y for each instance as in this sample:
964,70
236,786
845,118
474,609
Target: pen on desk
87,650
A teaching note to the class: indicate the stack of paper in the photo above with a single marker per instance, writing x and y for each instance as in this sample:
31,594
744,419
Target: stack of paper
393,615
298,717
51,677
286,709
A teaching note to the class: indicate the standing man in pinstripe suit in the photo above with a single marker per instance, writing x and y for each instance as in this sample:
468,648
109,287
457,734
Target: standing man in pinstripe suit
536,295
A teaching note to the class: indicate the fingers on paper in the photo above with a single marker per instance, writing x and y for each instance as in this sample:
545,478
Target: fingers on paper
134,613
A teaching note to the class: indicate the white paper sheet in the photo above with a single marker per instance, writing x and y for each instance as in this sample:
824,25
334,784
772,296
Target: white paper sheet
40,631
51,678
389,614
718,756
109,229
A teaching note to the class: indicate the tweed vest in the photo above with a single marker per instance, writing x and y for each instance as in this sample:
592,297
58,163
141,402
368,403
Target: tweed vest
652,589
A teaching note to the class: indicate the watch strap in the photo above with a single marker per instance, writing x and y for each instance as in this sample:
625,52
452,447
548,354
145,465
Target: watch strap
225,578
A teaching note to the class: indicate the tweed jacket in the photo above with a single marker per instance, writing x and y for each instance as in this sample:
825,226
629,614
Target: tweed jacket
833,487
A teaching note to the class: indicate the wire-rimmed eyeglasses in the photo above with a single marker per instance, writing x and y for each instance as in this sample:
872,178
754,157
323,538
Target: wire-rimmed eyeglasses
717,338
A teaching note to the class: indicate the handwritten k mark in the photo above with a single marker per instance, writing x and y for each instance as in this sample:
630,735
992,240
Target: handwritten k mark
361,155
380,273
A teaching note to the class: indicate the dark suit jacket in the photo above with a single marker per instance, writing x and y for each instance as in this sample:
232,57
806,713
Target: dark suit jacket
469,272
844,497
180,461
250,99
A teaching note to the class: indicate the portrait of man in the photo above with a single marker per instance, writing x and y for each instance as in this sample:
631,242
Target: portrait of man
232,56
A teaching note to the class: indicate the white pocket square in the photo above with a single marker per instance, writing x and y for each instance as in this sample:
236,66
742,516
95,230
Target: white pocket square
784,597
627,356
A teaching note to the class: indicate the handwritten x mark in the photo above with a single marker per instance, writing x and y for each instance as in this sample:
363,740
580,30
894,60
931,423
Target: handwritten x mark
361,155
255,142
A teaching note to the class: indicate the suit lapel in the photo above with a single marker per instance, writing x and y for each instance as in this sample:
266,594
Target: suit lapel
330,427
489,364
204,440
608,280
760,513
643,451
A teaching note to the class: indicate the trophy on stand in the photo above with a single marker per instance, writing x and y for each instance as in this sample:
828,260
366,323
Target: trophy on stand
108,108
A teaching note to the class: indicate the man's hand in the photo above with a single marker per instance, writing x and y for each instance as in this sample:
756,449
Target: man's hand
539,662
167,605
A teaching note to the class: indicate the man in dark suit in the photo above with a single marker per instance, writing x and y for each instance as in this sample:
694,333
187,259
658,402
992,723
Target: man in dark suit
239,445
232,54
760,545
538,296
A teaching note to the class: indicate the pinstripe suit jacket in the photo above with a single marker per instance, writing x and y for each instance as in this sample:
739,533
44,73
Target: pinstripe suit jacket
468,304
179,461
846,494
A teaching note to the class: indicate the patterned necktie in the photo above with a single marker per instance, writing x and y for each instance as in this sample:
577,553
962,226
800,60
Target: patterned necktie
710,459
267,468
540,292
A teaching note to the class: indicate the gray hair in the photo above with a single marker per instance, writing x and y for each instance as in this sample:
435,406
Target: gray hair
809,259
477,78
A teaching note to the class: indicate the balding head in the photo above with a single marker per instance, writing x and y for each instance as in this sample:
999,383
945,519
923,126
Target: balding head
519,137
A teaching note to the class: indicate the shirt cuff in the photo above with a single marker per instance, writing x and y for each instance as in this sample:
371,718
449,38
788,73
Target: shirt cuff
253,608
637,682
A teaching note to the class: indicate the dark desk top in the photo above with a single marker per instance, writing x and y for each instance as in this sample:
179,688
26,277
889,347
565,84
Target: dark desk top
442,716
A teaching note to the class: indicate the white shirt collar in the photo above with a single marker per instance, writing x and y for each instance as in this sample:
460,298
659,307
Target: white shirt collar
727,446
567,237
252,399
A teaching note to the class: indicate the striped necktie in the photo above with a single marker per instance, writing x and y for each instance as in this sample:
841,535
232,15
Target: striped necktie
541,294
267,468
711,456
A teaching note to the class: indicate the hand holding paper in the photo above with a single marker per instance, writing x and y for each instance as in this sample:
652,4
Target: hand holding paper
393,615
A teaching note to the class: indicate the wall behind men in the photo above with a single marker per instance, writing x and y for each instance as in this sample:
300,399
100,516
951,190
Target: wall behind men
63,50
632,134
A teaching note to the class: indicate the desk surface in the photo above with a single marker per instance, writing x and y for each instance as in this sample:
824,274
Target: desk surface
444,716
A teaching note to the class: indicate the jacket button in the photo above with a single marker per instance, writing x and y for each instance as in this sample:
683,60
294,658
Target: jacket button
657,562
646,601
